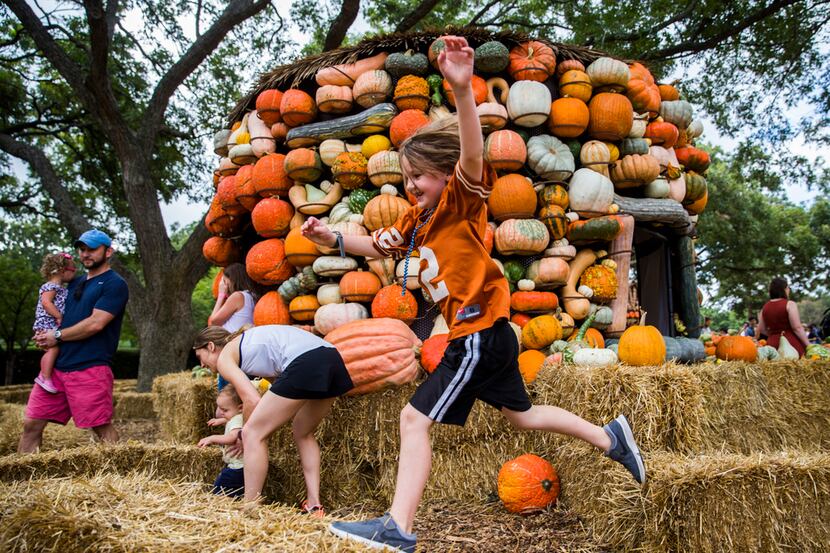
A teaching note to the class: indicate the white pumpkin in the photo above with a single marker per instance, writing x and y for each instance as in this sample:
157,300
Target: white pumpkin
658,188
786,350
590,194
333,315
526,285
340,212
608,75
329,293
330,149
550,158
669,165
595,357
695,129
528,103
638,127
412,282
677,112
333,265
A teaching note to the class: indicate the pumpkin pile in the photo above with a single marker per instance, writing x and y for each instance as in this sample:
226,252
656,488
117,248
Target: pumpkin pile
563,136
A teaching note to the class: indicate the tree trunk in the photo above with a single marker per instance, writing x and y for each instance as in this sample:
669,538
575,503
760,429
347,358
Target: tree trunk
689,308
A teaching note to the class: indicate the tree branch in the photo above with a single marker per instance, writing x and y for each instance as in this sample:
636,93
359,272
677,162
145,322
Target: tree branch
637,35
481,12
695,46
236,12
340,25
416,15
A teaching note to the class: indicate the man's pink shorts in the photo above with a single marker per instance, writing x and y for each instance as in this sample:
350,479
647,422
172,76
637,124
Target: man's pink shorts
85,396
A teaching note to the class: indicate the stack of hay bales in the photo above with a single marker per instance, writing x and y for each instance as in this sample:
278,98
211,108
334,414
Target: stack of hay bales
54,437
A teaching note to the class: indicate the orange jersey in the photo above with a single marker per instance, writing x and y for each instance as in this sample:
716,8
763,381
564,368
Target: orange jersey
454,266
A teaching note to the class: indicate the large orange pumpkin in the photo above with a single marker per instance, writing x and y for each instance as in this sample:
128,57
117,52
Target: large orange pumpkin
389,303
299,250
505,150
541,331
531,61
642,345
246,192
405,124
527,483
378,353
433,351
736,348
297,107
271,310
569,117
266,262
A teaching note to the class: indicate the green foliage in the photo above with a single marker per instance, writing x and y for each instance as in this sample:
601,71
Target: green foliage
202,300
19,286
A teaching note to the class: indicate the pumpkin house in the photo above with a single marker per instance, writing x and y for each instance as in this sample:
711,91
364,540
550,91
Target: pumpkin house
599,180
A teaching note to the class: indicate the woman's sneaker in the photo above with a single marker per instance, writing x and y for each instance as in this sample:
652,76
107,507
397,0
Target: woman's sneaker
379,533
624,449
46,384
316,511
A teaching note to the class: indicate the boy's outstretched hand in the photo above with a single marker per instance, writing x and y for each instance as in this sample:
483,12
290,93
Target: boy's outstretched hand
317,232
456,61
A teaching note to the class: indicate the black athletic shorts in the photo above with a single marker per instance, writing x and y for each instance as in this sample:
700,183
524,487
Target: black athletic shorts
316,374
481,366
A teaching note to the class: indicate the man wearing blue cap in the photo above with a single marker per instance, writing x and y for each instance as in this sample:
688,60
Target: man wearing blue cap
87,338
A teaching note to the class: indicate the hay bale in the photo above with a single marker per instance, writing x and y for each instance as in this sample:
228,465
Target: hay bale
663,404
765,406
165,460
769,502
183,405
133,405
140,512
18,393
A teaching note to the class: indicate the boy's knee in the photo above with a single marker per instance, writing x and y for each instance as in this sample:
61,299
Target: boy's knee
412,419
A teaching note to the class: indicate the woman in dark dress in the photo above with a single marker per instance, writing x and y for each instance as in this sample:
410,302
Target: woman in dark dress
779,317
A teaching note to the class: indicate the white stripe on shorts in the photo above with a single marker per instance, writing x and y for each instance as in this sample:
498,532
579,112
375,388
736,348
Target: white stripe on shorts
460,379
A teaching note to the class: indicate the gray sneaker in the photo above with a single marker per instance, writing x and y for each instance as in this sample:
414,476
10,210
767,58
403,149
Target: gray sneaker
624,449
379,533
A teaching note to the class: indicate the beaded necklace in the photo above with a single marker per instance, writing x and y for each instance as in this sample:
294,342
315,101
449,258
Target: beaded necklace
428,213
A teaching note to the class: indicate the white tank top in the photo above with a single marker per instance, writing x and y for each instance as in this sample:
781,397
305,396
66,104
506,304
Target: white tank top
267,350
242,317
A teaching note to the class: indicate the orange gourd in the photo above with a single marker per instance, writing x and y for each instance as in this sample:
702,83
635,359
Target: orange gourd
505,150
576,84
303,308
479,90
271,310
297,107
405,124
246,192
662,134
220,251
520,319
272,217
383,210
378,353
569,117
668,92
266,262
269,177
527,484
412,92
611,117
541,331
389,303
226,193
303,165
593,338
433,351
350,170
530,362
359,286
642,91
533,301
512,197
299,250
268,106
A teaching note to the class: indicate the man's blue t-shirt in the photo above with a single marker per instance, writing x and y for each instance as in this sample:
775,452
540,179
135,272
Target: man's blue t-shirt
108,292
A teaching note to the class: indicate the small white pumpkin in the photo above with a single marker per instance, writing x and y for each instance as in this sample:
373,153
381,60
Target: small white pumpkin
585,291
550,158
412,282
330,149
695,129
526,285
333,315
658,188
677,112
638,127
389,189
595,357
329,293
608,75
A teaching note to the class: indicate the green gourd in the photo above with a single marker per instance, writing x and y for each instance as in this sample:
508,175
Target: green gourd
406,63
492,57
514,271
359,198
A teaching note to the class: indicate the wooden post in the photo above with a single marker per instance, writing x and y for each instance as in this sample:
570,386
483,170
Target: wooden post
689,310
620,251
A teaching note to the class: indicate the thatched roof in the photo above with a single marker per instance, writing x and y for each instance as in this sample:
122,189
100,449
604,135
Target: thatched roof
296,74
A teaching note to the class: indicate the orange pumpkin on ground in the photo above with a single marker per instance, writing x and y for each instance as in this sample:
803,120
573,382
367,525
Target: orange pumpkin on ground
271,310
433,351
530,361
389,303
378,353
527,484
736,348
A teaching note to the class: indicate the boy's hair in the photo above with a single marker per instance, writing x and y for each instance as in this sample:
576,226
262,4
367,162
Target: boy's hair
54,263
240,281
216,334
434,148
230,391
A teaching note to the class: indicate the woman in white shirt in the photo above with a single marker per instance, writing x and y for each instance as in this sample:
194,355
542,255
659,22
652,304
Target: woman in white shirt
308,375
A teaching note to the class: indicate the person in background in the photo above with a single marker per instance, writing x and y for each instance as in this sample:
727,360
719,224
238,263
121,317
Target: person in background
707,326
814,334
88,338
57,269
779,317
234,307
749,327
